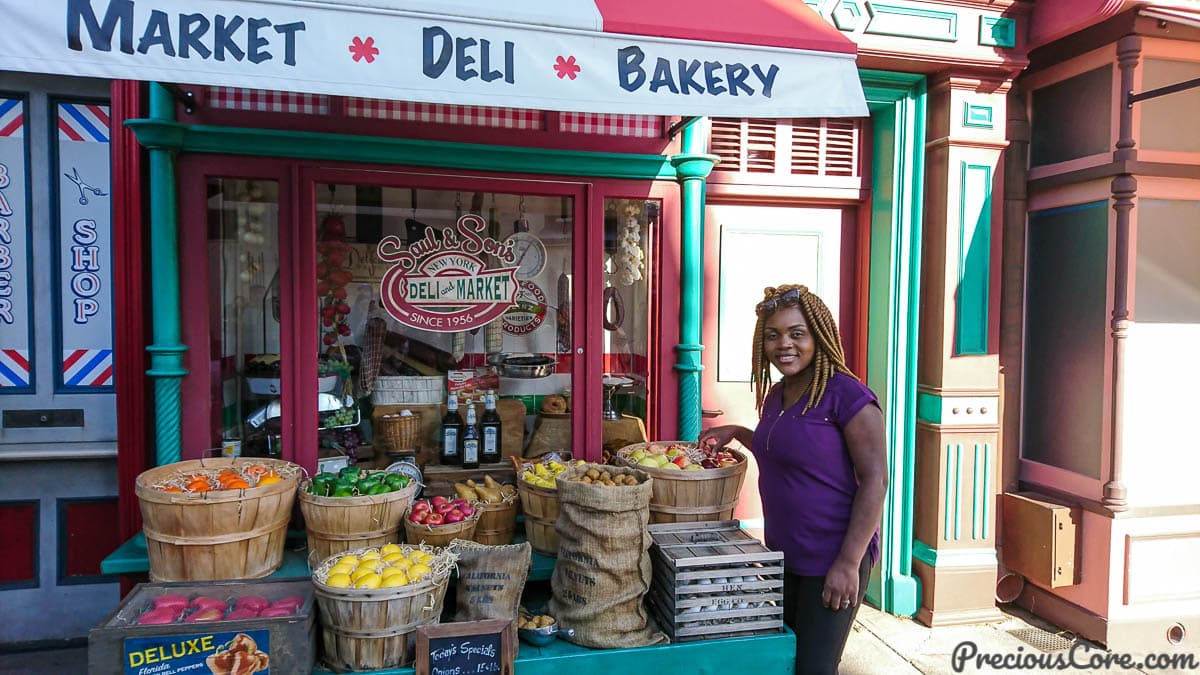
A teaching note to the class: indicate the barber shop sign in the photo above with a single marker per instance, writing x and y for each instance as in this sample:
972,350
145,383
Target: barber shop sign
441,282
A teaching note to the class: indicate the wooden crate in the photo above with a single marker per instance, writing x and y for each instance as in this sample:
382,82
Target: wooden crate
119,643
718,566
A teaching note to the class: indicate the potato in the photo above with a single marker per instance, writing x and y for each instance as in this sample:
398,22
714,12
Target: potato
605,475
544,620
592,473
585,479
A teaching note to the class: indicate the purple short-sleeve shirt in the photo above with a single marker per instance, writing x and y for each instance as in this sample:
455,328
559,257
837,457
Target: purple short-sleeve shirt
805,476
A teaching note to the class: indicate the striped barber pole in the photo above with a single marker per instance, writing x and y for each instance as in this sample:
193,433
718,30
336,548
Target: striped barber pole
83,122
14,368
87,367
12,118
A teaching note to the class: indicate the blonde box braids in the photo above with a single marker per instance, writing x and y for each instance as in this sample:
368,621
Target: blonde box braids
828,357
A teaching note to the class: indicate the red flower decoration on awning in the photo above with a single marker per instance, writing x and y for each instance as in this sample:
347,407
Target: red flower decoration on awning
566,67
364,50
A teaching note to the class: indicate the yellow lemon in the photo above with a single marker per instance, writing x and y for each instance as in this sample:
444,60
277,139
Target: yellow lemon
341,568
391,558
394,581
347,560
369,581
393,572
362,572
339,581
389,549
369,555
419,557
418,572
401,563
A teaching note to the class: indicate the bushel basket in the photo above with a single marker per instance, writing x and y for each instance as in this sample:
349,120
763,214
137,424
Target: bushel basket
336,524
681,496
220,534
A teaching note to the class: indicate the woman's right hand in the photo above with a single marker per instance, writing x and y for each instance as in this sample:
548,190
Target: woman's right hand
719,437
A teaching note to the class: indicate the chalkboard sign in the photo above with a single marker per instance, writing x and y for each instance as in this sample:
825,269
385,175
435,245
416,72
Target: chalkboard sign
466,648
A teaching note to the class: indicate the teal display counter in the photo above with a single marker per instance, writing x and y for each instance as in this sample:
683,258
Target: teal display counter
765,654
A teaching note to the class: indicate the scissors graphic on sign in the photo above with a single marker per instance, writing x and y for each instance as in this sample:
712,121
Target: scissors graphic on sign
83,187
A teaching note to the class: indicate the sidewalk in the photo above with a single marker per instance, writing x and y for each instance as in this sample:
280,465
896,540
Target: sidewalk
881,643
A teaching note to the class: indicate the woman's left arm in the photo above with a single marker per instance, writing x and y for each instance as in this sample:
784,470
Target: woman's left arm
867,444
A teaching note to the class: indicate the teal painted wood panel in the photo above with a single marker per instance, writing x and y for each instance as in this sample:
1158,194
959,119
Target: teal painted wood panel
977,115
974,259
997,31
912,22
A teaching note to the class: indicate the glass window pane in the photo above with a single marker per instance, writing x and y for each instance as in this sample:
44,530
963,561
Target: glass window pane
484,275
630,226
243,228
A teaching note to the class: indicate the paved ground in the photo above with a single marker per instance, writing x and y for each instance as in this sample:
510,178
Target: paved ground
880,644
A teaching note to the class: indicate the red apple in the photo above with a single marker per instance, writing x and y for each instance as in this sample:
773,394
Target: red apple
418,516
681,461
467,510
454,516
290,602
438,499
277,611
254,603
459,502
170,601
709,463
444,507
434,519
421,506
202,603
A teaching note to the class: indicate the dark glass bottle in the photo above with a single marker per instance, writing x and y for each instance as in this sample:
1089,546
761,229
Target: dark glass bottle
452,432
470,440
490,428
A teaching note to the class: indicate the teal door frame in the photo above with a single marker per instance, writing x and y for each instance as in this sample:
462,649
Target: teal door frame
897,105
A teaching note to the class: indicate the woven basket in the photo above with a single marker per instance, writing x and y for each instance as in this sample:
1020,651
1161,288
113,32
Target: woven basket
375,629
690,496
399,432
408,390
223,534
439,535
336,524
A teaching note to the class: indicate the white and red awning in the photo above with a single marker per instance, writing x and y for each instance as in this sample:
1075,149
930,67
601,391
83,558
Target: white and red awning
761,58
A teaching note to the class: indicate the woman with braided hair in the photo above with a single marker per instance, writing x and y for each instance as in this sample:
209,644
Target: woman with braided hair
822,464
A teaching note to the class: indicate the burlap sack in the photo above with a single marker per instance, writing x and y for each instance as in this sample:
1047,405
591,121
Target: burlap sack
490,580
603,566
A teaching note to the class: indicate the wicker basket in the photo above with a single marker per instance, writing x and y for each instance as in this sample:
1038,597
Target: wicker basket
375,629
398,432
223,534
440,535
408,390
690,496
336,524
497,522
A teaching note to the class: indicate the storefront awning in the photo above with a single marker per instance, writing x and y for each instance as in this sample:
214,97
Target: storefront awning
760,58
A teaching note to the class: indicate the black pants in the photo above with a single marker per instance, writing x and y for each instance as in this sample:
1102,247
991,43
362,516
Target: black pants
820,632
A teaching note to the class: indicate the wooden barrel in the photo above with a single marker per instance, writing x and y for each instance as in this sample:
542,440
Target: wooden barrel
336,524
541,513
222,534
375,629
440,535
497,522
691,496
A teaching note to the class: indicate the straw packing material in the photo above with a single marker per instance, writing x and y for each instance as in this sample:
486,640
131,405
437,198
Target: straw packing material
371,601
216,532
336,524
682,496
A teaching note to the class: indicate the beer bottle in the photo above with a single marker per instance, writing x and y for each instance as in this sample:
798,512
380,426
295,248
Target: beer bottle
452,431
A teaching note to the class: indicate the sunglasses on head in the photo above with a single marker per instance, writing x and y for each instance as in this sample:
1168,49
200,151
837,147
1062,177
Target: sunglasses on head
791,297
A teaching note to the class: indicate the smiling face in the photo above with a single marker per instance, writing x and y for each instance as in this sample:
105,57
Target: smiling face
787,341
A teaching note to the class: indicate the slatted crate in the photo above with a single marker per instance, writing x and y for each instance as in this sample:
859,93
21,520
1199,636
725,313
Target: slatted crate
713,580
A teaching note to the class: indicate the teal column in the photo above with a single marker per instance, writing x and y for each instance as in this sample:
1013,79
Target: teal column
692,167
166,354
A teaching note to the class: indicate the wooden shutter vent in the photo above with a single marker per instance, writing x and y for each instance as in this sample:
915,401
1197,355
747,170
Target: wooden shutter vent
809,147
